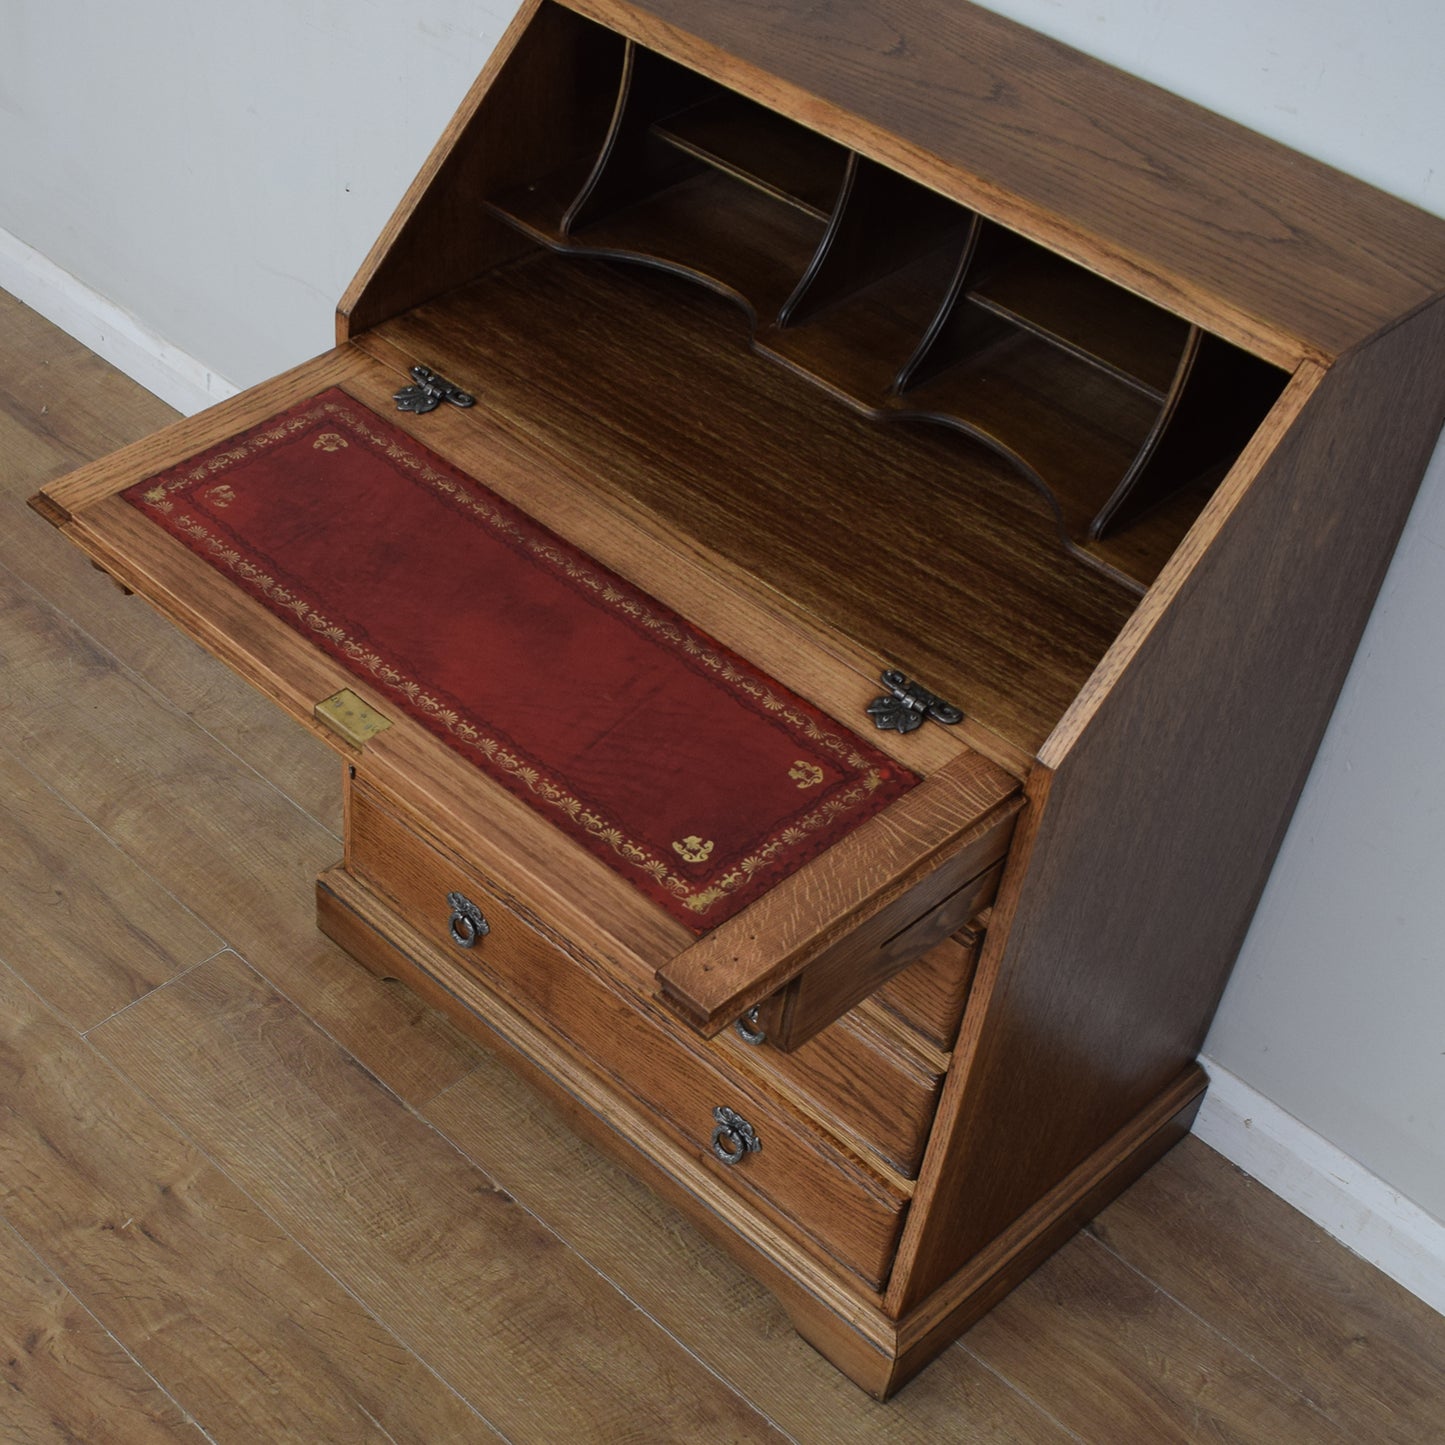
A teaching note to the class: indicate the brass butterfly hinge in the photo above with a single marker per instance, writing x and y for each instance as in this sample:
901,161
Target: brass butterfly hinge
906,704
429,391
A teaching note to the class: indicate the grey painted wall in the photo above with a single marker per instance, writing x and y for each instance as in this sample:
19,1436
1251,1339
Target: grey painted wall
220,171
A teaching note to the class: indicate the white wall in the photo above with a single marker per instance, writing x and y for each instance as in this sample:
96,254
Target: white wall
1336,1010
220,170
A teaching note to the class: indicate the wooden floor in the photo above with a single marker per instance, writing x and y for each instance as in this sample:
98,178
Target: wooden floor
249,1193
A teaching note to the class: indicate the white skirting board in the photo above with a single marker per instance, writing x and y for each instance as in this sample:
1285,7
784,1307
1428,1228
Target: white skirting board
1288,1158
107,329
1337,1192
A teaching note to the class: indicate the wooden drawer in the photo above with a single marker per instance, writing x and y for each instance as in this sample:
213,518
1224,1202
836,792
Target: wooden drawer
850,1212
856,1081
929,995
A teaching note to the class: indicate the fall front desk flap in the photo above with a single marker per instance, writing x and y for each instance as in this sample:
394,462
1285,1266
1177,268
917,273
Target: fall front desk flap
699,779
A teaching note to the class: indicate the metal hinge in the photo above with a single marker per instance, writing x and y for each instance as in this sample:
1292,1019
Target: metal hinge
906,704
429,392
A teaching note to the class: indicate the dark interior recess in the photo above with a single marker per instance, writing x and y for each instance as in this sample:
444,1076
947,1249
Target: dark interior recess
1022,415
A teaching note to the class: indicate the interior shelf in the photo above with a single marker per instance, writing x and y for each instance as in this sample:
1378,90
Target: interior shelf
1098,421
725,232
1074,427
756,146
1138,343
920,545
856,346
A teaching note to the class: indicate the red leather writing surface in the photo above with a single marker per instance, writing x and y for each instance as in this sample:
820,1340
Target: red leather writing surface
697,777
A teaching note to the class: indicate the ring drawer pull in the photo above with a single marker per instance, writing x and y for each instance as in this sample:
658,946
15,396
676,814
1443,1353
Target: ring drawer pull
467,922
734,1138
747,1027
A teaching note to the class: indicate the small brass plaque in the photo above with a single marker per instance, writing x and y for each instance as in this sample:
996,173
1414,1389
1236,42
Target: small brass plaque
345,713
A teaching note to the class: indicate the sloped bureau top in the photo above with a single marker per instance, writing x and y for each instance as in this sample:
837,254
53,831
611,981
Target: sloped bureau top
1278,252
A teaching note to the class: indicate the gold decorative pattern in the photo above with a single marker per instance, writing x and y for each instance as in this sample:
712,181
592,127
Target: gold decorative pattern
805,774
329,441
693,849
497,753
221,496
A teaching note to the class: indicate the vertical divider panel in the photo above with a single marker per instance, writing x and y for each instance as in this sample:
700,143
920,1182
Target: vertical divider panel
632,164
1220,397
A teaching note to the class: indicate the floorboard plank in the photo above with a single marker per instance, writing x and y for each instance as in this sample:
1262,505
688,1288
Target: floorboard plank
659,1260
207,828
513,1319
1113,1358
1321,1319
86,928
202,688
1202,1308
65,1378
248,1334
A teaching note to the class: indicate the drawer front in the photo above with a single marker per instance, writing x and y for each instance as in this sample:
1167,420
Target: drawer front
929,995
846,1209
853,1081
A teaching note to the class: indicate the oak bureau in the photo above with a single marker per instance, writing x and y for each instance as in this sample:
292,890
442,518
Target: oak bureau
826,546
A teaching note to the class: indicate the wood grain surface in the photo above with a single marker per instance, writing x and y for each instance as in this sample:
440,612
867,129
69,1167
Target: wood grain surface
1055,1055
187,1273
647,385
1320,1319
89,930
393,1211
173,798
1275,251
838,1202
50,1342
256,1342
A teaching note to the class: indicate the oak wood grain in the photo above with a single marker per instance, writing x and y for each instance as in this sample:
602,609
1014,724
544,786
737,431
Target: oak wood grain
504,1311
49,1342
46,431
878,878
1100,1312
1071,968
84,926
1321,1320
1275,251
691,1287
238,1323
648,386
541,101
854,1081
794,1268
930,994
171,797
837,1201
877,951
665,562
1328,1325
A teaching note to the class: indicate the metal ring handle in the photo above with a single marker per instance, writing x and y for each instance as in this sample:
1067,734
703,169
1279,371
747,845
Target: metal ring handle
747,1027
734,1138
467,922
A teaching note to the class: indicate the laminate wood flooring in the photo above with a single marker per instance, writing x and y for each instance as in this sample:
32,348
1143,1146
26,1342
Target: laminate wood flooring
250,1193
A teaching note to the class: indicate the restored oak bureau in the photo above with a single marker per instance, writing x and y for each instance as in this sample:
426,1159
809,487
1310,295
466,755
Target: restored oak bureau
825,644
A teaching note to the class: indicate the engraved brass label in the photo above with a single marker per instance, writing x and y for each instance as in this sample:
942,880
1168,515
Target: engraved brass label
345,713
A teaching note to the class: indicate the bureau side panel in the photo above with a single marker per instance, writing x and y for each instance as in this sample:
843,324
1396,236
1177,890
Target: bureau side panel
541,103
1144,852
